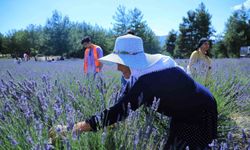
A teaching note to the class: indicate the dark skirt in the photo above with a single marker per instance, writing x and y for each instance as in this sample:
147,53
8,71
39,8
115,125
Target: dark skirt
196,131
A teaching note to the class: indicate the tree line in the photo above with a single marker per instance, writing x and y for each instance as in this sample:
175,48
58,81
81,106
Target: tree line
60,36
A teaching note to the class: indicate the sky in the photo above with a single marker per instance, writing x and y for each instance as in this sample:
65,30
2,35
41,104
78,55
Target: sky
161,15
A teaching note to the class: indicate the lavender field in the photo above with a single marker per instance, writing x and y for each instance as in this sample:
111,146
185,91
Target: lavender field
34,96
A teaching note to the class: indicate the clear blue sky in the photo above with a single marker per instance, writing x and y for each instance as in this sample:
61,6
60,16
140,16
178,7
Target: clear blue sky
161,15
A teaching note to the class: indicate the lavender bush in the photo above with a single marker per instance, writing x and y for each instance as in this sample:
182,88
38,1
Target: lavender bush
34,96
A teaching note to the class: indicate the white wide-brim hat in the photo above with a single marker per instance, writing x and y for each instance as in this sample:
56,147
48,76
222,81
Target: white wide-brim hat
129,51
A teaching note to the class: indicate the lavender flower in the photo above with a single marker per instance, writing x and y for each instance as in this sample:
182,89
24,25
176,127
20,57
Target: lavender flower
244,136
71,96
29,140
12,140
70,116
155,104
2,117
229,136
48,146
136,140
214,144
39,128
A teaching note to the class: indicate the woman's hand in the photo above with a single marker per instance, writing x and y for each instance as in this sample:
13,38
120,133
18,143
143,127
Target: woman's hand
57,133
81,127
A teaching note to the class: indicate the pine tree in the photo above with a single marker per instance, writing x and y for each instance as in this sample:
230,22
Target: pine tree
133,20
170,42
57,31
120,26
196,25
237,32
185,42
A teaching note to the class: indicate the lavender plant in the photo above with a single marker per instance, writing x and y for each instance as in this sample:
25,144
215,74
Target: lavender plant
35,96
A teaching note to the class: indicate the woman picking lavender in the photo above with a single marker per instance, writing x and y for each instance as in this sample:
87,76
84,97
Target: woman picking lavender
191,106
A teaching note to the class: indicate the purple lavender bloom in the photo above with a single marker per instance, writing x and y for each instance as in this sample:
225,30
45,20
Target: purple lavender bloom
39,128
37,147
80,87
12,140
29,140
70,116
71,96
2,117
223,146
214,144
155,104
7,107
236,147
57,107
48,146
229,136
136,139
244,136
68,146
74,136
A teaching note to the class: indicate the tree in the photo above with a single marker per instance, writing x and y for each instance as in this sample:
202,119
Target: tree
1,43
219,50
196,25
170,42
121,21
98,36
203,23
185,42
133,19
237,32
17,42
76,33
136,22
56,31
141,29
34,39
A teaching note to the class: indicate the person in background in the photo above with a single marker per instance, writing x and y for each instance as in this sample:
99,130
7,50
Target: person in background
192,108
26,56
91,55
199,62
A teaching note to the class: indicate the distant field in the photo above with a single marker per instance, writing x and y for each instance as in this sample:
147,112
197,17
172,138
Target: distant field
37,95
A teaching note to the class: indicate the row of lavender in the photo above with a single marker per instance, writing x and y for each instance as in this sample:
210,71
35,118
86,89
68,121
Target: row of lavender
34,96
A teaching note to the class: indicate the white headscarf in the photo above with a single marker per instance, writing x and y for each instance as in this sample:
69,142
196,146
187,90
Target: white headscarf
164,63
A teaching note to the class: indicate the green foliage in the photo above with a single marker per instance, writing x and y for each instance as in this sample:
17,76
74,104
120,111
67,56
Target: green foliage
237,32
133,20
36,42
60,36
121,21
229,86
219,50
57,31
195,26
169,45
59,93
98,35
17,42
1,43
